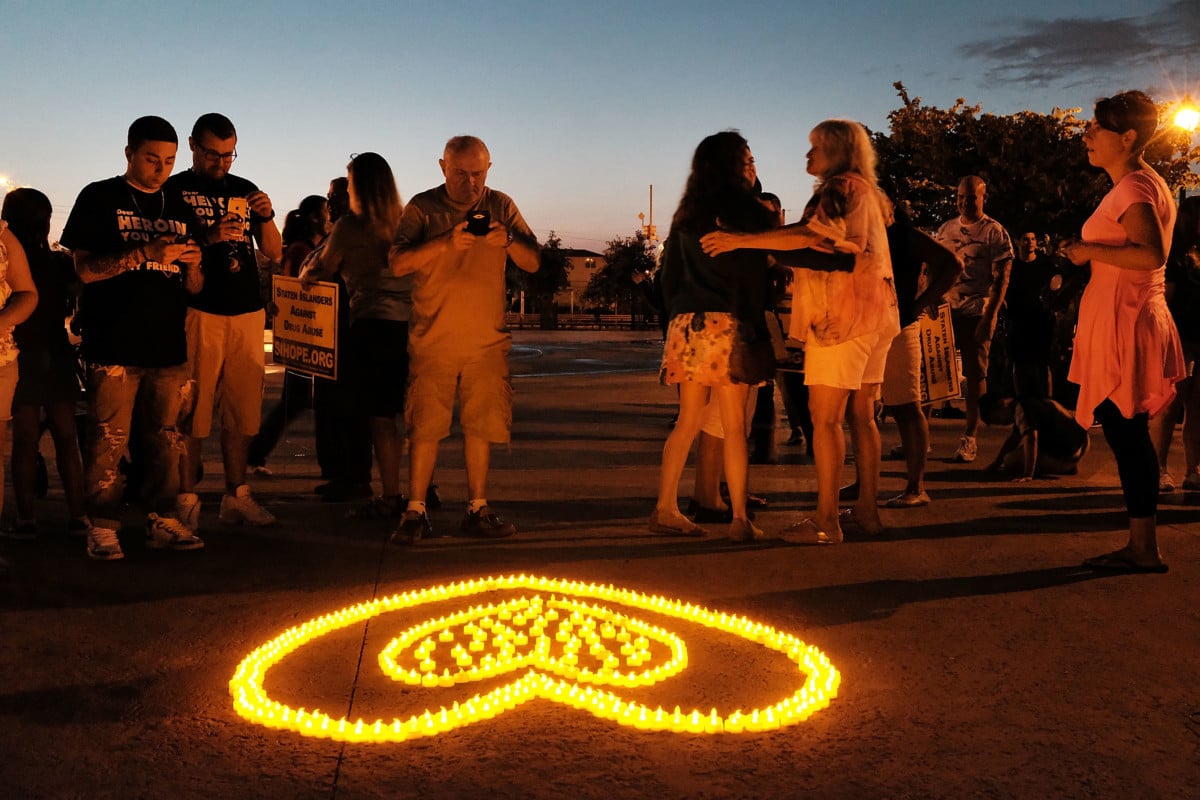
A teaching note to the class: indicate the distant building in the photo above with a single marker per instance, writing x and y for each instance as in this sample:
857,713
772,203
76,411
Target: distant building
584,264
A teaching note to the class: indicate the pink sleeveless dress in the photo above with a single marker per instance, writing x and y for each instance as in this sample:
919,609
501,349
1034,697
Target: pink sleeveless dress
1126,347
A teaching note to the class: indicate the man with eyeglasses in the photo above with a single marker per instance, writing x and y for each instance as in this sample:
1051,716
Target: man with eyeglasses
225,321
131,249
975,298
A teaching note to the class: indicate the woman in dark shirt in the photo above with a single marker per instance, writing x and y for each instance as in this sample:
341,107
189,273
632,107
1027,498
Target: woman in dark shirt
717,326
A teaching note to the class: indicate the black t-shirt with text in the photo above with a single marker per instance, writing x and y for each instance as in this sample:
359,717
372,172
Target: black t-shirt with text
135,319
230,269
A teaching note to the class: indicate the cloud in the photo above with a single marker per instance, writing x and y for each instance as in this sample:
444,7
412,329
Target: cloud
1071,50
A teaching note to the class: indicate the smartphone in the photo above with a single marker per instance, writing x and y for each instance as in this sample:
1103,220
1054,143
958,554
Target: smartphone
479,222
237,206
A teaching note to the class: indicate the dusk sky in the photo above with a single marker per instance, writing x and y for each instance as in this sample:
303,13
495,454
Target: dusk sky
583,105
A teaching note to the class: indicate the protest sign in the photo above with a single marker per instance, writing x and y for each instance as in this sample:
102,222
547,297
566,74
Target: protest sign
305,326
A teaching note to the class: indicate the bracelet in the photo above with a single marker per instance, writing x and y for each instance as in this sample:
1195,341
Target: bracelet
509,240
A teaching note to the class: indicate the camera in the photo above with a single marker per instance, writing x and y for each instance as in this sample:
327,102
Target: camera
479,222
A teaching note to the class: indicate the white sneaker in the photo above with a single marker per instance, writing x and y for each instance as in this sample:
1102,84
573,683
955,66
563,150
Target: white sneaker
168,533
240,508
966,451
1166,482
102,544
187,509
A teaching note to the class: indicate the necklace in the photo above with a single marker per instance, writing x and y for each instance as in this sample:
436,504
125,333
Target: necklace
162,203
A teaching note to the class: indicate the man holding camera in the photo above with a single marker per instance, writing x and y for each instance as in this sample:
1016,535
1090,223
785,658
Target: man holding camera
456,240
131,249
225,321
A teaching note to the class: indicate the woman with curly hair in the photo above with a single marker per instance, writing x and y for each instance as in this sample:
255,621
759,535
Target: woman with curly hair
717,326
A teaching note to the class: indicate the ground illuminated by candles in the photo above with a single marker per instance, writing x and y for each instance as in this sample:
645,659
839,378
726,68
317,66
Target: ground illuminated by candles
563,639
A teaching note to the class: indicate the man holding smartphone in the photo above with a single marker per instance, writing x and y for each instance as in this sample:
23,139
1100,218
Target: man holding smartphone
225,321
131,250
456,239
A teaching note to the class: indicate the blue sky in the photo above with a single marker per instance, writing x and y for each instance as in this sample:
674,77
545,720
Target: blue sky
583,105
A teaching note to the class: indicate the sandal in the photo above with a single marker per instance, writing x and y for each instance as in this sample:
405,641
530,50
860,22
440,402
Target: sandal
806,532
847,517
677,525
379,508
908,500
1121,562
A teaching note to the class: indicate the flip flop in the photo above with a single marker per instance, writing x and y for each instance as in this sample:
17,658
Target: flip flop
684,527
806,532
1119,562
908,500
847,518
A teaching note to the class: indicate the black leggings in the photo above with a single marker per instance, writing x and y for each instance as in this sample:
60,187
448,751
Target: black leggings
1137,462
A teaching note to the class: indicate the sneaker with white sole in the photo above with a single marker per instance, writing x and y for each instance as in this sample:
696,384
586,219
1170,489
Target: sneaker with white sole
1166,482
102,544
187,509
240,508
966,451
168,533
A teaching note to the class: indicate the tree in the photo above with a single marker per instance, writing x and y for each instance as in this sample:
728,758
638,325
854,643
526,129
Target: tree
1035,165
541,286
612,284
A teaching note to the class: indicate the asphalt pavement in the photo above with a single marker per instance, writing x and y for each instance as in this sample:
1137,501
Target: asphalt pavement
975,657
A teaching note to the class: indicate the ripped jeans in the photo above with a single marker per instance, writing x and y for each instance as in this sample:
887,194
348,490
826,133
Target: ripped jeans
159,394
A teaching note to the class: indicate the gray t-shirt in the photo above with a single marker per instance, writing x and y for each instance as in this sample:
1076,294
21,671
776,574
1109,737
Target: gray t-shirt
362,258
982,246
459,301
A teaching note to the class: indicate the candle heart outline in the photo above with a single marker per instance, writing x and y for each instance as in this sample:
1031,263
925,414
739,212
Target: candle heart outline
252,703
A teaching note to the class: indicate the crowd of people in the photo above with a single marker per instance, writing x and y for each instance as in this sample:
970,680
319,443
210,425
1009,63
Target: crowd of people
163,289
162,286
862,278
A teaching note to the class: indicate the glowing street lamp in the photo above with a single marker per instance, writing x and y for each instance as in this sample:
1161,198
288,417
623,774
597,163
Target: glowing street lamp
1188,116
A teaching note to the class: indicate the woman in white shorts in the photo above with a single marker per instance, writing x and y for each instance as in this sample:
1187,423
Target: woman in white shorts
847,318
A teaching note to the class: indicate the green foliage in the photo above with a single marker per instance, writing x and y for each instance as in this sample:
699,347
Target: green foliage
1035,165
541,286
613,283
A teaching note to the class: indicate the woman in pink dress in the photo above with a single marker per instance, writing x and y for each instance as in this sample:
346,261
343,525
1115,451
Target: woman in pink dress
1127,355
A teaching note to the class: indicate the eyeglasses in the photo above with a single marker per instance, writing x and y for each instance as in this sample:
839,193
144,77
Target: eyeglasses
212,155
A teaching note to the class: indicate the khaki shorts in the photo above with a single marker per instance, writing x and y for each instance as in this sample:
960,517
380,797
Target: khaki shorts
849,365
974,353
902,372
225,357
484,392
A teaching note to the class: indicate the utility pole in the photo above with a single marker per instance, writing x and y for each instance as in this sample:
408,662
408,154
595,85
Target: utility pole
648,229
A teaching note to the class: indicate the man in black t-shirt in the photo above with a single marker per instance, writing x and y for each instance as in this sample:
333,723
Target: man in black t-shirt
131,250
225,321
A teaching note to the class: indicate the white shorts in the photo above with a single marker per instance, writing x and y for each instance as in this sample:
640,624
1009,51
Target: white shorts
712,413
848,365
902,372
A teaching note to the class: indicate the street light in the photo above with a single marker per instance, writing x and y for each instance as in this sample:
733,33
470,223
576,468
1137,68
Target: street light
1188,116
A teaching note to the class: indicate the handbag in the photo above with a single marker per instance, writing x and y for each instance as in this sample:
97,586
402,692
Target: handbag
752,359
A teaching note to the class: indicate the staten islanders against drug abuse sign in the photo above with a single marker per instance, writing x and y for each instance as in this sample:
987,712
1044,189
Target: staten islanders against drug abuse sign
305,326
